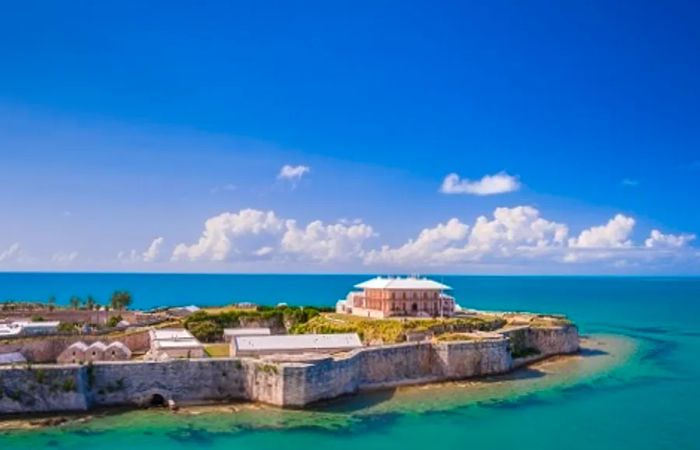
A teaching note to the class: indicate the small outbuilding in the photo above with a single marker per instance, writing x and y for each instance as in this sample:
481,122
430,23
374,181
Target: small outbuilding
117,351
74,353
174,343
231,333
294,344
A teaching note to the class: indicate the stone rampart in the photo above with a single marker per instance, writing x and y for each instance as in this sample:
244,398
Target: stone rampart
286,383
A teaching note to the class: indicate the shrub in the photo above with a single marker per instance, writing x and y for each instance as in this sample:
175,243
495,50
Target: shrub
206,330
113,321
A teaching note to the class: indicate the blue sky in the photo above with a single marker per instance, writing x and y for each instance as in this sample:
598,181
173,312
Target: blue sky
125,127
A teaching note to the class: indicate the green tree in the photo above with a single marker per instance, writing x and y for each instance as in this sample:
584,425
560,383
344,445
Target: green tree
120,300
75,302
90,303
206,330
52,303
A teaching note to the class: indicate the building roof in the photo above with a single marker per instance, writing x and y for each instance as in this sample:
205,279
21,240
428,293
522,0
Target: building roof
298,342
99,345
408,283
247,332
171,334
80,345
45,324
120,345
174,338
12,358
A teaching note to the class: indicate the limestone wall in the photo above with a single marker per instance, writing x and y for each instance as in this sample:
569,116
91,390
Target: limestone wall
46,350
286,383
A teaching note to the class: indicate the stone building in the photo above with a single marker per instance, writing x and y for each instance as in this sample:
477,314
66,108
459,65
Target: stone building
80,352
394,296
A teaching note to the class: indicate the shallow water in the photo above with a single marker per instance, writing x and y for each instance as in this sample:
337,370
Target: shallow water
638,391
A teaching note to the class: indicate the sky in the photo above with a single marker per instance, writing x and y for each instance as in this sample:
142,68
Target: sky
355,137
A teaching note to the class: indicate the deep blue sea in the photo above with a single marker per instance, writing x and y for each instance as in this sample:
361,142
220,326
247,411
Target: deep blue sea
648,399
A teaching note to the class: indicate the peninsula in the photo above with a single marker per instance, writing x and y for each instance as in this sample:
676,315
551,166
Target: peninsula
390,332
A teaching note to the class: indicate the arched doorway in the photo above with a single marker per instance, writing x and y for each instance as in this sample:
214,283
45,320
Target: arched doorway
414,307
156,400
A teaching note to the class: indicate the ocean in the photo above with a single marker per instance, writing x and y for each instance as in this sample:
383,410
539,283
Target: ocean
637,391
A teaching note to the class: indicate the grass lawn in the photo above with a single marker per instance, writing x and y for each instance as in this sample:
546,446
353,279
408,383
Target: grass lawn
216,350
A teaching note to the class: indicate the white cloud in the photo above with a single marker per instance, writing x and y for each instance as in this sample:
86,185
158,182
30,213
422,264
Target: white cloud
614,234
519,236
232,234
62,258
293,173
518,231
659,240
12,253
499,183
153,250
427,248
252,234
151,254
320,242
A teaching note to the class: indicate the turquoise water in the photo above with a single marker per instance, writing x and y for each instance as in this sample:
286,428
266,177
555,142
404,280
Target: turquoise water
649,400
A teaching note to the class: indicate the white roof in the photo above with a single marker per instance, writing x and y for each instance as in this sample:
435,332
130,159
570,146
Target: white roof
179,343
27,324
12,357
247,332
80,345
171,334
99,345
298,342
407,283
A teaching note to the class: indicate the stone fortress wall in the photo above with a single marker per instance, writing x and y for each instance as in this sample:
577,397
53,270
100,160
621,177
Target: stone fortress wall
285,383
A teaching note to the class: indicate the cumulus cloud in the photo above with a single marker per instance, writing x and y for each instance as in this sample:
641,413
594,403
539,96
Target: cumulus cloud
153,250
64,258
151,254
659,240
253,234
428,247
520,235
499,183
614,234
12,253
321,242
293,173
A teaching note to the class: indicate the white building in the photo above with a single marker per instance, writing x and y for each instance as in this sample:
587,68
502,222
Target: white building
175,343
294,344
12,358
27,328
231,333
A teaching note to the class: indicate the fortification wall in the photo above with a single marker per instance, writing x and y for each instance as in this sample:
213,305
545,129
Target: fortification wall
290,384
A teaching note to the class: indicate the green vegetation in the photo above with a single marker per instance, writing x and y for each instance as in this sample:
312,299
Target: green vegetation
120,300
209,327
217,350
389,331
40,376
114,321
67,327
74,302
450,337
68,385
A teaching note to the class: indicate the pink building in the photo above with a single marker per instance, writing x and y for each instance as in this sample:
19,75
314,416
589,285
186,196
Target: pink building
386,297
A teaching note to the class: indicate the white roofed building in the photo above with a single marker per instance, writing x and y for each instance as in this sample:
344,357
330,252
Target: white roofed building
174,343
231,333
396,296
290,344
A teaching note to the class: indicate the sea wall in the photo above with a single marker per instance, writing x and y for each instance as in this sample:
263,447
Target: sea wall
290,383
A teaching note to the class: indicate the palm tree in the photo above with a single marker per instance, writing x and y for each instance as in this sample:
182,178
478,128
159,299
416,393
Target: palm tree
120,300
52,303
90,303
75,302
